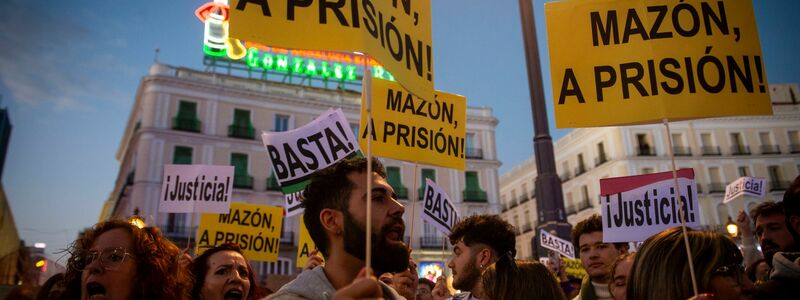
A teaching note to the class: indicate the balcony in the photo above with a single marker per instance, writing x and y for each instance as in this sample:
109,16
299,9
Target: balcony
474,153
475,196
740,150
513,204
243,181
503,207
600,160
716,187
645,150
524,198
242,132
777,186
287,237
794,148
681,151
272,184
711,151
526,228
580,170
566,176
186,124
585,204
571,210
770,149
431,242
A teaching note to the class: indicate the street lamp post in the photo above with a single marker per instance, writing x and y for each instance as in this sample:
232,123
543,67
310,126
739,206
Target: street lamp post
549,195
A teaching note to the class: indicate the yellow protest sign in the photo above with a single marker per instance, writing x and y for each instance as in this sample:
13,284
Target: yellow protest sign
634,61
305,245
574,268
396,33
256,228
410,128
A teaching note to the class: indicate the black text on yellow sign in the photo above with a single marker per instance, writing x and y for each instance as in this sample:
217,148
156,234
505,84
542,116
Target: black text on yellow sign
255,228
397,33
414,129
635,61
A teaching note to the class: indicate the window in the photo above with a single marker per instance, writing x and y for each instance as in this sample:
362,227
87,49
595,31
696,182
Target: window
429,174
587,202
794,141
767,146
524,193
281,123
472,150
241,179
776,178
242,126
744,171
737,144
644,145
581,166
708,147
473,192
182,156
678,146
395,180
601,155
186,119
354,128
716,185
647,170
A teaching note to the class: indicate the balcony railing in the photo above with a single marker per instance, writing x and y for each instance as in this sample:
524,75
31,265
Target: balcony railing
241,132
586,203
524,198
526,227
474,153
503,207
600,160
710,150
770,149
431,242
186,124
513,204
475,196
571,210
716,187
243,181
681,151
775,186
566,176
646,151
580,170
794,148
740,150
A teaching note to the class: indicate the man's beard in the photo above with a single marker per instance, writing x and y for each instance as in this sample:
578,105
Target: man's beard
469,278
386,257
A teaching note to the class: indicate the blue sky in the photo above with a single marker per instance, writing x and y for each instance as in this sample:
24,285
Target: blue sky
69,72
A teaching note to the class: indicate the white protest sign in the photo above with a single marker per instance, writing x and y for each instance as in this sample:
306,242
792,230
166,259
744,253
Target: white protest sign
296,154
557,244
636,207
196,188
753,186
437,208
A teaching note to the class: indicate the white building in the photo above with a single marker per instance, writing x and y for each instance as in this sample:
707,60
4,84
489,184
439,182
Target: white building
719,150
184,116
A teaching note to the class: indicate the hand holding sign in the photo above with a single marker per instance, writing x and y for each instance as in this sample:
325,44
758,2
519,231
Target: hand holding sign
557,244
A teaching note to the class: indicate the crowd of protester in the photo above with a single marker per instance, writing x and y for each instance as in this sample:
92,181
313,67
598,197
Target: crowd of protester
117,260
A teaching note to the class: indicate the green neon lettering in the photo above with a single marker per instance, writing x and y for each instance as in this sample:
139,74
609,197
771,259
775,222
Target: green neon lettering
325,71
252,57
267,61
337,71
351,73
311,68
283,63
298,65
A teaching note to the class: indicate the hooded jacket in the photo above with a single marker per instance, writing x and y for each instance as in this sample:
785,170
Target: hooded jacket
784,281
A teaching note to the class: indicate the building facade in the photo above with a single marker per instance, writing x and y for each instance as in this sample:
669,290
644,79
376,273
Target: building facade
184,116
720,150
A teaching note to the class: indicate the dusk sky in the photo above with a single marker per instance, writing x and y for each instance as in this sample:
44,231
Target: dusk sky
69,71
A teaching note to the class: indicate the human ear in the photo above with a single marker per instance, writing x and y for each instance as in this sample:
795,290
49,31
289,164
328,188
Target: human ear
332,221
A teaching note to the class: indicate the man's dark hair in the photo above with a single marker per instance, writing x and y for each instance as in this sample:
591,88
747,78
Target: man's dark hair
490,230
330,188
591,224
428,282
767,209
791,199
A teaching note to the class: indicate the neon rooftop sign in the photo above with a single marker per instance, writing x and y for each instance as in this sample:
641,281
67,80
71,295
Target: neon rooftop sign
322,64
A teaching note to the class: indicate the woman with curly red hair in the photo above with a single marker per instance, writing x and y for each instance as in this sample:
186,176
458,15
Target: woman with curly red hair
116,260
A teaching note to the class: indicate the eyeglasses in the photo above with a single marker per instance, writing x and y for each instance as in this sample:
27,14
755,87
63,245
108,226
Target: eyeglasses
733,270
110,259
